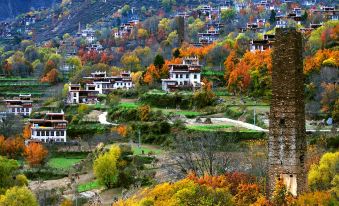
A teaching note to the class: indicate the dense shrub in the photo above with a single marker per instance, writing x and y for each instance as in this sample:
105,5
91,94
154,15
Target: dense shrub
74,130
152,132
174,100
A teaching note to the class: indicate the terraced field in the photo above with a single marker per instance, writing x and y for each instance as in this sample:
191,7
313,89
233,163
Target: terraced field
10,87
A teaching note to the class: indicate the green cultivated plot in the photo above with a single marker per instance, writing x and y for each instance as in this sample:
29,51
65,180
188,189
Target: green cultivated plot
89,186
62,163
210,127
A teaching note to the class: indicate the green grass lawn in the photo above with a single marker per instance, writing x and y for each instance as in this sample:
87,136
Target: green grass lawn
209,127
128,104
89,186
64,162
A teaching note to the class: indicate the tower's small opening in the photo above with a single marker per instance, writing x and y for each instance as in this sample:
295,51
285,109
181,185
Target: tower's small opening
282,122
291,175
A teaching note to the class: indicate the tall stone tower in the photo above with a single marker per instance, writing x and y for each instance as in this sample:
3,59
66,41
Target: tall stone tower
287,141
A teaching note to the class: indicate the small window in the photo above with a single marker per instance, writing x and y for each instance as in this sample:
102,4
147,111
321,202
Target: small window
57,133
62,133
195,76
282,122
38,133
74,94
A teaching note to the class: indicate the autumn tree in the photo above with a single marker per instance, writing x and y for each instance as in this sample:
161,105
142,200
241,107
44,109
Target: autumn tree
321,176
11,147
35,154
144,112
122,130
26,133
329,96
280,195
230,64
105,167
18,196
51,77
247,194
130,62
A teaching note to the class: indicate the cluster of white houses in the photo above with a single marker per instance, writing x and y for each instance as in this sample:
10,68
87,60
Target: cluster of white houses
97,83
183,76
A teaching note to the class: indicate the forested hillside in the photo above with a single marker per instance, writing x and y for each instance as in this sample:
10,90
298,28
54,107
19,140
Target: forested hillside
11,8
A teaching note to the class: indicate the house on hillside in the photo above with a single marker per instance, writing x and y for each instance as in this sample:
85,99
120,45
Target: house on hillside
88,34
328,12
104,84
50,128
126,28
67,48
21,105
183,76
208,37
85,95
262,44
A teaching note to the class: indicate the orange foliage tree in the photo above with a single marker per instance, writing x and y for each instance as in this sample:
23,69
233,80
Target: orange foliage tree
247,194
51,77
11,147
35,153
26,133
155,74
330,97
324,57
254,67
230,63
122,130
200,52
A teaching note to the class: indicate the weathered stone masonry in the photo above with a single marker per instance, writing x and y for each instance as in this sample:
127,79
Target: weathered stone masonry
287,141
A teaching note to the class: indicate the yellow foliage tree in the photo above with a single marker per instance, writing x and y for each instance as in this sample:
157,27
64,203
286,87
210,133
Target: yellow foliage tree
322,175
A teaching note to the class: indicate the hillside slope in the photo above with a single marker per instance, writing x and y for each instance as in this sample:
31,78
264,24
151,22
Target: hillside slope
12,8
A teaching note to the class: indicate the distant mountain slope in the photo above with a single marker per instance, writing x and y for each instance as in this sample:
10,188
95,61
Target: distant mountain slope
12,8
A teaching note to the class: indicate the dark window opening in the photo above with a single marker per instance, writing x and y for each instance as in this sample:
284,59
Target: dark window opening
282,122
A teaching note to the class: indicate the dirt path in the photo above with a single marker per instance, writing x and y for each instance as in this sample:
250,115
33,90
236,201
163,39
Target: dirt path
59,183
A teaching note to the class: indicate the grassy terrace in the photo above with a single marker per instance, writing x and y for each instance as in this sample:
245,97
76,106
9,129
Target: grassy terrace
128,104
187,113
18,79
65,162
209,128
89,186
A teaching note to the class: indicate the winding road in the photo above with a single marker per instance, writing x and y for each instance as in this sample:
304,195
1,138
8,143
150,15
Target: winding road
103,119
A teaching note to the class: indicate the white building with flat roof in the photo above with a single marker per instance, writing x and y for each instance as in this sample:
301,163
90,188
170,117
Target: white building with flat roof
20,106
51,128
104,84
183,76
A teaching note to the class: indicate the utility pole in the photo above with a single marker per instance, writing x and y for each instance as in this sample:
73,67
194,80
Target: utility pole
254,115
139,138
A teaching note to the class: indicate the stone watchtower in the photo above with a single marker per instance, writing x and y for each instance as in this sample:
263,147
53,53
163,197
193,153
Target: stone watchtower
287,141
